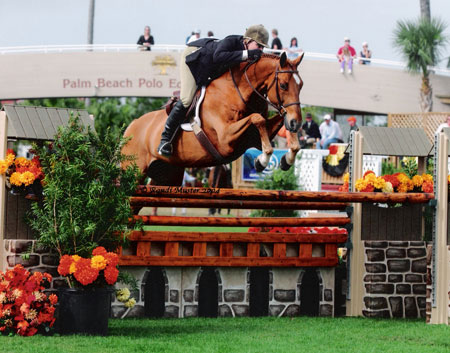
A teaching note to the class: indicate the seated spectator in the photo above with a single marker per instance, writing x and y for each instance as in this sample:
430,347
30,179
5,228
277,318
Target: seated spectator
293,51
310,133
330,132
346,53
444,125
146,40
365,53
353,127
210,34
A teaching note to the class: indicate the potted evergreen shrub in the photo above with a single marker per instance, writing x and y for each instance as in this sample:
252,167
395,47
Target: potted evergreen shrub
85,206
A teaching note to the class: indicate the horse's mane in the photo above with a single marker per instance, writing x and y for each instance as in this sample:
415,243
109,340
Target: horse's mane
270,56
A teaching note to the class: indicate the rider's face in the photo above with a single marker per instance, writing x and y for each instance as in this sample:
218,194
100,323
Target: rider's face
253,45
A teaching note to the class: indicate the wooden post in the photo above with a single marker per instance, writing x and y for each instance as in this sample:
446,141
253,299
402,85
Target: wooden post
3,144
439,311
355,302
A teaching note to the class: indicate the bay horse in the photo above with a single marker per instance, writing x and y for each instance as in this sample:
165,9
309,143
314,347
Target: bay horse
234,117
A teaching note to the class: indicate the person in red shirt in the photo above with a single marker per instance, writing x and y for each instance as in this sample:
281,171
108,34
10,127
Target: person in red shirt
346,53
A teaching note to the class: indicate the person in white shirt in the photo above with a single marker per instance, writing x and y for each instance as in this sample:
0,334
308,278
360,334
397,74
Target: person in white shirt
330,131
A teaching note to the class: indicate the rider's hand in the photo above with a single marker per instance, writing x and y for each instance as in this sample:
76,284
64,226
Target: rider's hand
254,54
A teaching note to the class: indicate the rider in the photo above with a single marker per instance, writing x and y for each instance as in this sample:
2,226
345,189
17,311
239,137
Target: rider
203,61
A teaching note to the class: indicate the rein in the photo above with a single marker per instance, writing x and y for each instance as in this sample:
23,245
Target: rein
279,107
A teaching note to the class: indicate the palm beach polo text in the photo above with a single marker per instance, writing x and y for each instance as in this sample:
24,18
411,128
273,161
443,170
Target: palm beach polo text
181,190
124,83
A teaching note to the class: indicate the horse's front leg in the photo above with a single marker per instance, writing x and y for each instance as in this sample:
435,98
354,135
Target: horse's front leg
289,158
263,159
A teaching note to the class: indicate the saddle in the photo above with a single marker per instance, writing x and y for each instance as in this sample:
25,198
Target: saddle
193,107
194,123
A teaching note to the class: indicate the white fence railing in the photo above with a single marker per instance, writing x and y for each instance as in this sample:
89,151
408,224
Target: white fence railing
34,49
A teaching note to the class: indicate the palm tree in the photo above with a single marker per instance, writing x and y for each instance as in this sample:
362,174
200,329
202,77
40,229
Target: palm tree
420,42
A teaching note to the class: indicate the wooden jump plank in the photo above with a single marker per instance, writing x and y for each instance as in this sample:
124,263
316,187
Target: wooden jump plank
143,248
253,250
227,261
244,221
281,195
238,237
279,250
199,249
144,201
171,249
305,251
226,250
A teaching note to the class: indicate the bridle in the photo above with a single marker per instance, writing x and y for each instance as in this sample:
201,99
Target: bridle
279,107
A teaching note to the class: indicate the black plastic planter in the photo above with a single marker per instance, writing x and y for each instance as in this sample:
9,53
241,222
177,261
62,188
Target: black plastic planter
84,311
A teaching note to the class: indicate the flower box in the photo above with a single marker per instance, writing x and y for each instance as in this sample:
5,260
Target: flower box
392,223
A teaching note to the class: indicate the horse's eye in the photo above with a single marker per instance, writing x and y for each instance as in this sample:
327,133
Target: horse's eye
284,86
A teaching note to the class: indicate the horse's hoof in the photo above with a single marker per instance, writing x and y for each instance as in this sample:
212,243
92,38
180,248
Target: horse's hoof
258,166
284,165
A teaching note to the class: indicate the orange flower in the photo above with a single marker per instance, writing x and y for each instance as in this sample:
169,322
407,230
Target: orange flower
53,299
84,273
112,259
427,186
99,250
111,274
64,265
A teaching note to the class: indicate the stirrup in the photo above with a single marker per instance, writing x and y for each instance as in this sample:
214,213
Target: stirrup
165,149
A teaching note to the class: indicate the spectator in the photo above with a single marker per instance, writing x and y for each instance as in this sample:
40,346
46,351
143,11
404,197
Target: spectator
365,53
346,53
444,125
146,40
210,34
310,133
293,51
195,36
330,132
189,37
353,127
276,42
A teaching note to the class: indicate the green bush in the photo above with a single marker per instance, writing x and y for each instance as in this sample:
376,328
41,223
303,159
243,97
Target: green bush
278,180
85,191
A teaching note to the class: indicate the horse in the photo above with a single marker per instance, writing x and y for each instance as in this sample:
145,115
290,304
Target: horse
234,117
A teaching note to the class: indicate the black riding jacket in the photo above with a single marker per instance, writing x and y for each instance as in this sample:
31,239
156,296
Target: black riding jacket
214,57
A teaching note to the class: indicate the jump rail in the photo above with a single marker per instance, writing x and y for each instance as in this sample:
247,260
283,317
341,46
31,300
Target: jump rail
196,248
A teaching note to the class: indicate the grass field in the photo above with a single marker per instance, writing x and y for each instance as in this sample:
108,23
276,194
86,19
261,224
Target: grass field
247,335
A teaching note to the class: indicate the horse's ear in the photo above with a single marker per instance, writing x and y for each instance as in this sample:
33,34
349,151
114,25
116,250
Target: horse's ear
298,60
283,59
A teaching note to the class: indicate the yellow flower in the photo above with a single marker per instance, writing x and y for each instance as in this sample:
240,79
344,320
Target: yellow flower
371,178
417,180
379,183
27,178
388,187
346,177
22,162
3,166
402,188
10,159
360,184
15,179
130,303
123,294
427,177
72,268
76,257
402,178
98,262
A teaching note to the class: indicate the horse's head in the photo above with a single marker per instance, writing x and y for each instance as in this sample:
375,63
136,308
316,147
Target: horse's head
283,91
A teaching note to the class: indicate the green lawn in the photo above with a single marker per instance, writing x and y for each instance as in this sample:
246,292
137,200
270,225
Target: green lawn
248,335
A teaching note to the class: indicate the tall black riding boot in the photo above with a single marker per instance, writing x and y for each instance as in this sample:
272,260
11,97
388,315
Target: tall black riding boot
173,122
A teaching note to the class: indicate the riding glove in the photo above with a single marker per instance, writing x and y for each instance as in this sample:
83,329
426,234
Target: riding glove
254,54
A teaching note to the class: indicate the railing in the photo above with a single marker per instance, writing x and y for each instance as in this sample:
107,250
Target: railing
34,49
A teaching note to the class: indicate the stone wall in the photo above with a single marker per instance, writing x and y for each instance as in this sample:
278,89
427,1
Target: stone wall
182,292
34,258
395,279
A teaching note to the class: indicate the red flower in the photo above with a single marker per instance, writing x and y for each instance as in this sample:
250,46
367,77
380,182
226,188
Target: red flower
333,149
84,273
367,173
111,274
99,250
427,186
112,259
64,265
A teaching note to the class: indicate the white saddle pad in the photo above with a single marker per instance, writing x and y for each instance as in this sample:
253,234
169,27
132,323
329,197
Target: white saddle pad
196,118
